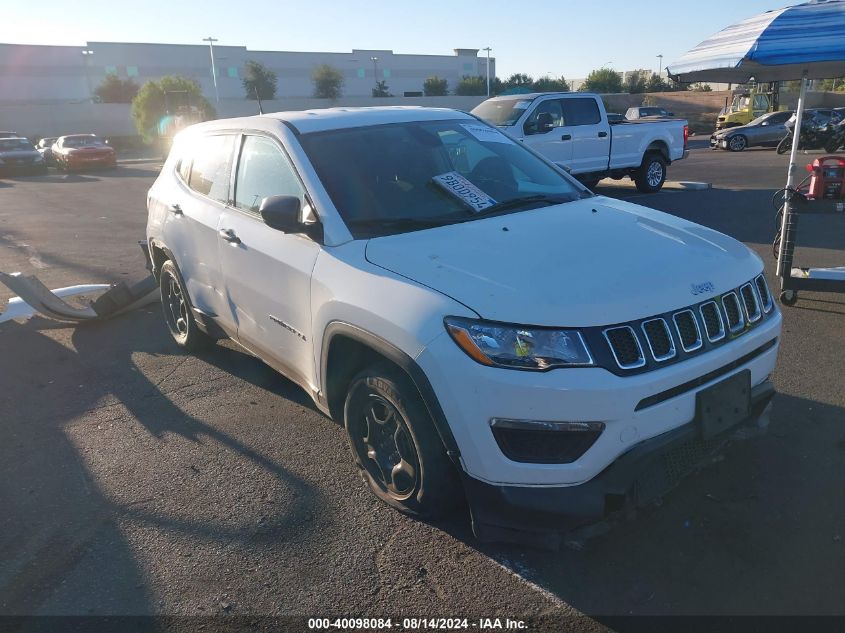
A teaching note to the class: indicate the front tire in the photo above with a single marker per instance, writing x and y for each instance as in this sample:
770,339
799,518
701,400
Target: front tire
178,314
651,175
396,446
737,143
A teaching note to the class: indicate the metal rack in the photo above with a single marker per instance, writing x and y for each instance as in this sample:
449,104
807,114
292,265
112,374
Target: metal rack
795,278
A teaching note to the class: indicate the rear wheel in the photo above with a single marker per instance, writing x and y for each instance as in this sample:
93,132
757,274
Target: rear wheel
737,143
651,175
176,306
396,446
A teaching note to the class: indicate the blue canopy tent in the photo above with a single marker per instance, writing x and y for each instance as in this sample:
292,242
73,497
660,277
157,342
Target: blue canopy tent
805,41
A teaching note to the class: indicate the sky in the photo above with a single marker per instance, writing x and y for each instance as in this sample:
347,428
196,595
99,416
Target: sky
543,37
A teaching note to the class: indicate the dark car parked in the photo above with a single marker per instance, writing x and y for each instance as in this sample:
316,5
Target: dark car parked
8,134
766,130
19,157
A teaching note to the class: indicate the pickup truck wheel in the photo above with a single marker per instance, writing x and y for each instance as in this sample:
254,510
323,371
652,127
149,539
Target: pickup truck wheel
651,175
396,446
176,306
737,143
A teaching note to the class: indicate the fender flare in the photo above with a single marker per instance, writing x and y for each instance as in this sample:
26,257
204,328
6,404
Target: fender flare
404,362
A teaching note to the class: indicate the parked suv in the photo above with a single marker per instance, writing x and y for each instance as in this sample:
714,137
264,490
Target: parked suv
484,327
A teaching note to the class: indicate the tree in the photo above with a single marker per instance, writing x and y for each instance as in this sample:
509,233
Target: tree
831,85
603,80
171,95
701,87
259,82
550,84
381,89
655,83
113,89
519,80
435,87
635,81
471,86
328,82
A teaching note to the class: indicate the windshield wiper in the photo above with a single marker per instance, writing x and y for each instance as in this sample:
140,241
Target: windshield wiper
522,201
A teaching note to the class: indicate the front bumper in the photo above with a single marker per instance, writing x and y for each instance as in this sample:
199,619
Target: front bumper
540,514
23,169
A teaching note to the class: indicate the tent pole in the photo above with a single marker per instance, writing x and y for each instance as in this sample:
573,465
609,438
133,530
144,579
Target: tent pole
787,228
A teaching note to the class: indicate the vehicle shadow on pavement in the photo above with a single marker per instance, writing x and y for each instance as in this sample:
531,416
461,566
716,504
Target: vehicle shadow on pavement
63,548
750,533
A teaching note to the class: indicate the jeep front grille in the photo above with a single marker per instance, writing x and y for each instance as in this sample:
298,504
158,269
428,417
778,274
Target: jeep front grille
736,322
688,331
667,338
714,325
625,347
659,339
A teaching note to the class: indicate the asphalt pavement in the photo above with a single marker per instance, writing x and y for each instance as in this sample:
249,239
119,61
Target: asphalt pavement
135,479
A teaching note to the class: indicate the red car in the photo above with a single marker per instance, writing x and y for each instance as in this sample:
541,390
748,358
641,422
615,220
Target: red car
80,151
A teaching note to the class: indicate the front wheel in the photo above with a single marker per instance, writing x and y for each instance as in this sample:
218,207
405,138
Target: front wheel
396,446
737,143
785,145
651,175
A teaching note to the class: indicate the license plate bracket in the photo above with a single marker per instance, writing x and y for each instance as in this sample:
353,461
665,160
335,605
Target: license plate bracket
723,405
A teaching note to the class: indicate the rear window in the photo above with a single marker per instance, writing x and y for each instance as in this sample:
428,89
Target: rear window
81,141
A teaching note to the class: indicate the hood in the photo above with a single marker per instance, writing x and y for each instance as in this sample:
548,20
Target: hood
592,262
20,153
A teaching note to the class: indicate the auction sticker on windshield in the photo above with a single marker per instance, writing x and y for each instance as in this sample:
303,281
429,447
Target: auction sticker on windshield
464,190
486,134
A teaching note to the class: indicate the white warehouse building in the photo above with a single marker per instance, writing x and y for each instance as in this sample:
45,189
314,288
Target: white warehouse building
62,74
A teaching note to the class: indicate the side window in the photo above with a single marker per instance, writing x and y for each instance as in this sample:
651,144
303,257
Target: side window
263,171
212,166
184,167
582,111
553,108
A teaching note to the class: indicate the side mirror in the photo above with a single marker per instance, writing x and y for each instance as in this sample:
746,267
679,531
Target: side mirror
764,123
545,122
282,213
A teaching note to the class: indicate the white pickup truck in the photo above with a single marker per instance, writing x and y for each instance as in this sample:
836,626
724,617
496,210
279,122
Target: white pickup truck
571,129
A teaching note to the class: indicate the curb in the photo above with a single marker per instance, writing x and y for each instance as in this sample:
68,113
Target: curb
672,185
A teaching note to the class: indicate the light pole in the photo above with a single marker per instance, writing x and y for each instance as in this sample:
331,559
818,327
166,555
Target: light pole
659,65
211,41
86,55
375,72
488,49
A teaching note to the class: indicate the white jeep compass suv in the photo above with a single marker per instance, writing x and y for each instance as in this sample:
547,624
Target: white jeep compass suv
485,328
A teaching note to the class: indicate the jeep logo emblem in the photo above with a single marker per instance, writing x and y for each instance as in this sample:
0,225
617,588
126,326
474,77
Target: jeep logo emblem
699,289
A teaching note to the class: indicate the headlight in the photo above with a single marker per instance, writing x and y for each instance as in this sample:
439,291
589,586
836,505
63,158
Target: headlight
517,347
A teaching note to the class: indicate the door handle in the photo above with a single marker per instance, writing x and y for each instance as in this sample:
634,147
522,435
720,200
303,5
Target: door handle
229,236
602,134
175,209
566,137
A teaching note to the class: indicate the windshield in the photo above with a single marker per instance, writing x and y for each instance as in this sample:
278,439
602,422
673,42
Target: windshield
12,144
81,141
393,178
502,111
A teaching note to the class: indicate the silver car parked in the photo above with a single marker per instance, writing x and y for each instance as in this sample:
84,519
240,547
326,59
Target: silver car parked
766,130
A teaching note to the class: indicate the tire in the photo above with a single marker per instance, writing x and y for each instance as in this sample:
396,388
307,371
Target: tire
176,307
831,146
651,175
737,143
785,144
789,297
396,446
